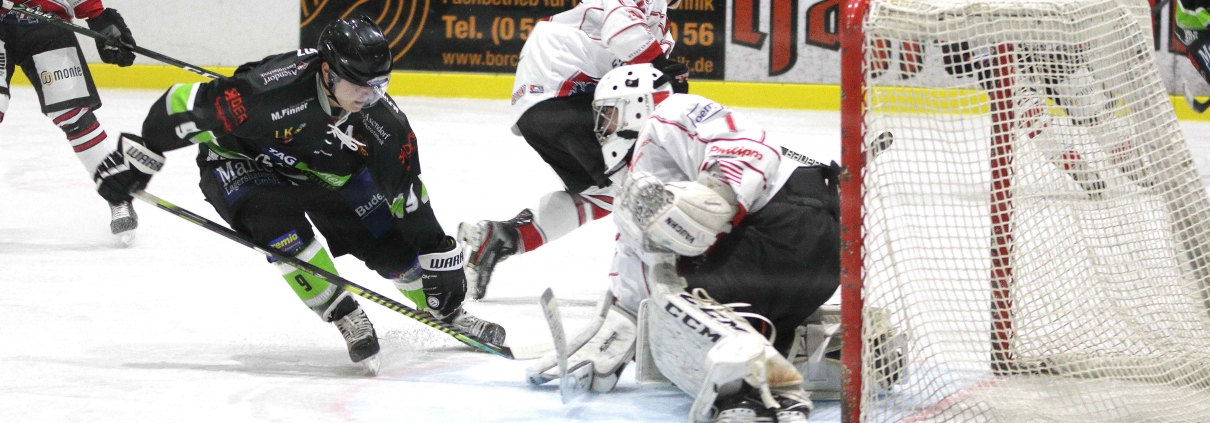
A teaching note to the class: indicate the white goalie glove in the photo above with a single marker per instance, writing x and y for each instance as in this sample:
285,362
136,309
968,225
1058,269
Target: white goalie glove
682,217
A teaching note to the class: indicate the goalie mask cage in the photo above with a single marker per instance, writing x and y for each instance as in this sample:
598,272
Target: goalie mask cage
1033,245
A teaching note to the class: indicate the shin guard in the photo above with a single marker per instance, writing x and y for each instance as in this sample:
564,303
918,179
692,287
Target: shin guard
316,293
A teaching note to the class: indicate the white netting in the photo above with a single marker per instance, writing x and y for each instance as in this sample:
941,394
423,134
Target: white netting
1037,232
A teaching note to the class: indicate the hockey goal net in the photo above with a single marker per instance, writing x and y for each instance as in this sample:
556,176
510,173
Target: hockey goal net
1026,234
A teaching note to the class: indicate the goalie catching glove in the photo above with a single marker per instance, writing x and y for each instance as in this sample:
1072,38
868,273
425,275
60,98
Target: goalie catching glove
127,169
683,217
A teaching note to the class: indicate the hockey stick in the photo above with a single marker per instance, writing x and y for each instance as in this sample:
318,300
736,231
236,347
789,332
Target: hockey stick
61,23
880,144
1197,106
326,276
573,381
1159,7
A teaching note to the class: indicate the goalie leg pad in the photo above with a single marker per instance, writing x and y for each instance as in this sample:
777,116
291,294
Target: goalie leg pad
682,329
608,344
534,374
817,346
816,353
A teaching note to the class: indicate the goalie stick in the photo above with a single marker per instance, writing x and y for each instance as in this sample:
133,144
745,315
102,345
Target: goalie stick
311,269
876,148
56,21
573,382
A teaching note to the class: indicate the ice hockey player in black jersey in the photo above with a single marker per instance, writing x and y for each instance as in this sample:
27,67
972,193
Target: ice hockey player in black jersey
51,58
311,134
1193,31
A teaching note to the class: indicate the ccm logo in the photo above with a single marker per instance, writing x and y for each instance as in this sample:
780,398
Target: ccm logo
697,326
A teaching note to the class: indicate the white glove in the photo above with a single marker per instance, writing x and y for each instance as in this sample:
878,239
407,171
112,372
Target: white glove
683,217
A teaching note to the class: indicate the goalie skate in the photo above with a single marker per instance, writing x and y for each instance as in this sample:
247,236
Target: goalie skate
488,243
740,409
793,407
123,221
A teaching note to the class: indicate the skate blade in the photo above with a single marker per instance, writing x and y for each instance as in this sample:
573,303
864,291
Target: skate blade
125,239
371,365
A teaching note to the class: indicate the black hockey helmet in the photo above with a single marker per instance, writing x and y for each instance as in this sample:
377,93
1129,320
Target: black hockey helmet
356,51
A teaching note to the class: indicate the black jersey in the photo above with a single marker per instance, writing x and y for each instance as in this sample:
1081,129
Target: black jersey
275,113
1192,5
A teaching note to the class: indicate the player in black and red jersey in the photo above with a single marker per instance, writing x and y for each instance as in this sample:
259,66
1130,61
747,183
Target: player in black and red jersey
51,58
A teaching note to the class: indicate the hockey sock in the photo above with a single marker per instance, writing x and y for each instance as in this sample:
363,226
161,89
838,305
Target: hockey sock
4,94
561,212
410,283
314,292
88,139
3,98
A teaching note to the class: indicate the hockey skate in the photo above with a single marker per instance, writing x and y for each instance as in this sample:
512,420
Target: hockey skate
474,326
358,332
123,221
793,407
740,409
488,243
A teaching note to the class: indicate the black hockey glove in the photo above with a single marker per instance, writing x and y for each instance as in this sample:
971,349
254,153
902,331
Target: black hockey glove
443,278
127,169
1196,49
676,73
110,23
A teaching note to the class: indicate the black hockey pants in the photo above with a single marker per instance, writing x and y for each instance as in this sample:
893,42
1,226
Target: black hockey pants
784,260
561,131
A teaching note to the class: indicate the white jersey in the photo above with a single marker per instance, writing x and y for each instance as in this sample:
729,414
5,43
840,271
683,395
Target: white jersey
567,54
686,135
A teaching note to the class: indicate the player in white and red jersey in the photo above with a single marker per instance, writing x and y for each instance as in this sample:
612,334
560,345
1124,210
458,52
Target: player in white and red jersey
51,58
728,242
560,64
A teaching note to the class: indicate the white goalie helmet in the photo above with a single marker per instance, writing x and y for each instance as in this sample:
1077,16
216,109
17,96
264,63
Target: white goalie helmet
624,99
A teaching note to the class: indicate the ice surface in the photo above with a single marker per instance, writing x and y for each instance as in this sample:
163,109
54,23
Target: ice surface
186,326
